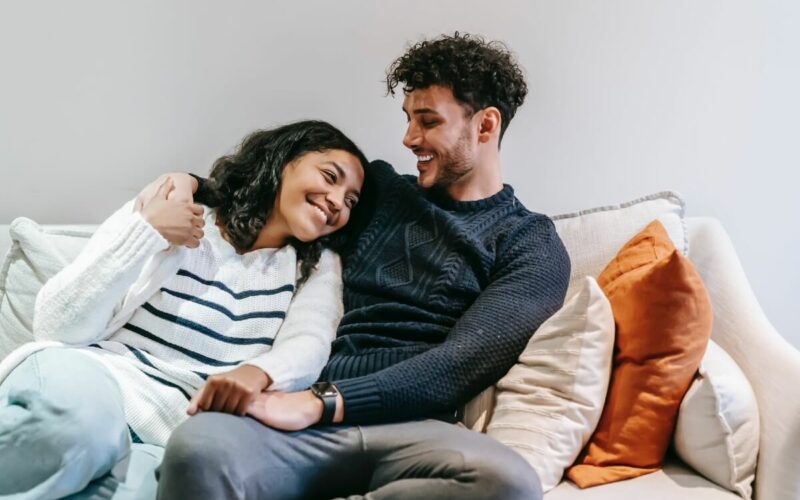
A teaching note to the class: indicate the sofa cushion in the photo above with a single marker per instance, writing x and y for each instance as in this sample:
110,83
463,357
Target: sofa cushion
663,322
550,401
592,237
36,254
674,481
717,430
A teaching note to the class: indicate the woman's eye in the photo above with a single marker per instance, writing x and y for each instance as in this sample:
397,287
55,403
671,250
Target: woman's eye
330,176
351,202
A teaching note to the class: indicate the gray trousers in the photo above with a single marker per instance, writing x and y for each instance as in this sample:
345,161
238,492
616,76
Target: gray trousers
219,456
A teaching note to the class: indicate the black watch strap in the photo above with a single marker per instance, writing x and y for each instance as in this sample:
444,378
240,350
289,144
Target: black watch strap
327,393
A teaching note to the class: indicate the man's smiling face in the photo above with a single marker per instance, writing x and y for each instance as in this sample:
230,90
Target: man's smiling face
440,134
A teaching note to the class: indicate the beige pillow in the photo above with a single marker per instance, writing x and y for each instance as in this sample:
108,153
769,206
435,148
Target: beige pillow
718,428
36,255
593,237
549,403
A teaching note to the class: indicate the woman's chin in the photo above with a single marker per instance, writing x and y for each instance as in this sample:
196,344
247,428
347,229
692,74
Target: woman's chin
307,235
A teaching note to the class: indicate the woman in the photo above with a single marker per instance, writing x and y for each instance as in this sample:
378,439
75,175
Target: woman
137,334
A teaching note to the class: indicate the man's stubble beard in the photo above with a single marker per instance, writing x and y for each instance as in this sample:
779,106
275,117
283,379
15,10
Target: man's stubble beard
455,164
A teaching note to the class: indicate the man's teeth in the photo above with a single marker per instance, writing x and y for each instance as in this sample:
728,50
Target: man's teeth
424,157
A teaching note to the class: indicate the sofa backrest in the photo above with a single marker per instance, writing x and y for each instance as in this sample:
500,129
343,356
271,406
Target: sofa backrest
5,238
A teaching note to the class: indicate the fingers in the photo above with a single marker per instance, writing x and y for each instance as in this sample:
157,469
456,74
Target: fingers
220,399
194,406
164,188
232,404
244,404
197,209
203,399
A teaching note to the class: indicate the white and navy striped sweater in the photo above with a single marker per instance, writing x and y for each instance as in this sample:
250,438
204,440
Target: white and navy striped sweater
206,312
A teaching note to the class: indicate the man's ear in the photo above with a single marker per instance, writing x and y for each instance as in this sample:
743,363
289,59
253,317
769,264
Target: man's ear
489,124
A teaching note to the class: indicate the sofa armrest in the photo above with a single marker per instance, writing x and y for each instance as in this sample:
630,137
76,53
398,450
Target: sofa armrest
771,364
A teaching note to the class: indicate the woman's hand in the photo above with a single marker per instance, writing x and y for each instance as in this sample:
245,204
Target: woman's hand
179,222
184,187
230,392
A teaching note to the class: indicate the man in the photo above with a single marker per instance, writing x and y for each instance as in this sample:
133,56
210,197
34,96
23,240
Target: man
446,281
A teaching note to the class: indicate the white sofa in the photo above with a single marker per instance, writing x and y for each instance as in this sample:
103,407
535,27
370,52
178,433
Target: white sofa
770,363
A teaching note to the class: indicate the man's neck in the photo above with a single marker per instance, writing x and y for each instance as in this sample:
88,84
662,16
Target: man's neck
482,182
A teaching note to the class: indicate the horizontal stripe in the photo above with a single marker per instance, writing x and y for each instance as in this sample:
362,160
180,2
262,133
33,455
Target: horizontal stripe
168,384
141,357
236,295
194,355
223,310
205,330
134,437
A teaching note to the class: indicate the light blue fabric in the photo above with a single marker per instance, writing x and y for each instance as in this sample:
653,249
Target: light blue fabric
140,479
62,425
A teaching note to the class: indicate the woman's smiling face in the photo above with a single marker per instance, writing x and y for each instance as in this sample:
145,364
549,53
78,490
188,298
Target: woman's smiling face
318,191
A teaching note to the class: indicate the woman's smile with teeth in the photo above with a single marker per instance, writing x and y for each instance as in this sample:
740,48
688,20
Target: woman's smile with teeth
322,215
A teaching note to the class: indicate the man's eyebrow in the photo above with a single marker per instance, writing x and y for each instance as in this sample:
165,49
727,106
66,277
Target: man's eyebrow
421,111
342,174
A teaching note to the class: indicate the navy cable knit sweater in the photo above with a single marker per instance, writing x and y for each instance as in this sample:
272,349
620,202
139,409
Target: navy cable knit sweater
440,298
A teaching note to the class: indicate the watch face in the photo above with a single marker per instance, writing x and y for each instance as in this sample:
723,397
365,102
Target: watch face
325,389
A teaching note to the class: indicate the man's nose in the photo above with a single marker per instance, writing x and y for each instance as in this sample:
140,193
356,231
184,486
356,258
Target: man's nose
412,137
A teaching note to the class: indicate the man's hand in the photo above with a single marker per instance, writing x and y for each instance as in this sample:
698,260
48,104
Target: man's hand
230,392
291,411
179,222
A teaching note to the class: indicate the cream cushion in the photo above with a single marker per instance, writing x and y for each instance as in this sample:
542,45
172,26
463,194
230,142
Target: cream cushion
593,237
36,254
717,430
549,403
675,481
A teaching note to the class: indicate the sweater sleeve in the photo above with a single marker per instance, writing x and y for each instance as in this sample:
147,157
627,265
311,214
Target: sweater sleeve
303,342
76,305
529,282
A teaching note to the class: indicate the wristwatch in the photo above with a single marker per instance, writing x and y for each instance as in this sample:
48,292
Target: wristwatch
327,393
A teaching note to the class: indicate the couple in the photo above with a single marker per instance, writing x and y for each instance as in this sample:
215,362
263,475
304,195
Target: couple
200,313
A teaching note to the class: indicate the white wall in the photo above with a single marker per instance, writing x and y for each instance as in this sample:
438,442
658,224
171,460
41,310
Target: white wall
626,98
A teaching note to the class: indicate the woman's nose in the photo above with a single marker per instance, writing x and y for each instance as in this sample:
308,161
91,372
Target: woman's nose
335,200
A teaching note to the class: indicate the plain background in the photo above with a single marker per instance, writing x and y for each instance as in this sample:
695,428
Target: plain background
627,98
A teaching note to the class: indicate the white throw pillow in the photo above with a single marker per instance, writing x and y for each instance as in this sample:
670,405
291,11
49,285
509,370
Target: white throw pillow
550,402
593,237
717,430
36,255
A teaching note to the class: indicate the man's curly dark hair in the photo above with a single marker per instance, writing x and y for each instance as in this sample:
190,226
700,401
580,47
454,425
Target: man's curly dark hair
242,186
480,73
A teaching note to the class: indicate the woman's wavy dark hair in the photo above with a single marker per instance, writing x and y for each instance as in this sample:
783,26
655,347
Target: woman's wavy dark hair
480,73
243,183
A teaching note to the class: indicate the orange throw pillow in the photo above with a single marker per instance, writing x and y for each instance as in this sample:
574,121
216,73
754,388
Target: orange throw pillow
663,320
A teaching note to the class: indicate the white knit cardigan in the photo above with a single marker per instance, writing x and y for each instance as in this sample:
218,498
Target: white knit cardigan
126,261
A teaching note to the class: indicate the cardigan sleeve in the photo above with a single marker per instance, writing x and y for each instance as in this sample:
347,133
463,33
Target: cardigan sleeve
76,304
303,342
